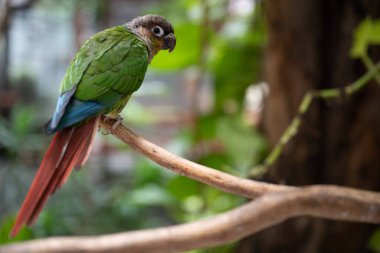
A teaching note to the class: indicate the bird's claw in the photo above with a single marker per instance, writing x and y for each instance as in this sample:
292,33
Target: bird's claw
117,121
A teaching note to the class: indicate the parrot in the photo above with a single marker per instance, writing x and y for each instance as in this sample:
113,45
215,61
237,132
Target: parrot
100,79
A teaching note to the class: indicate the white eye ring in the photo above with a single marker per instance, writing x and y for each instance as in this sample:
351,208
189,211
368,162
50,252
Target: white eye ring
158,31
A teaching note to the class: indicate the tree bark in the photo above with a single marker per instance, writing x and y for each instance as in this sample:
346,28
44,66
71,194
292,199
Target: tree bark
339,142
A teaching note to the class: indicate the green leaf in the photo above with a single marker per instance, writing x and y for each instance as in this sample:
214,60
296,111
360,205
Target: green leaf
361,34
374,36
367,33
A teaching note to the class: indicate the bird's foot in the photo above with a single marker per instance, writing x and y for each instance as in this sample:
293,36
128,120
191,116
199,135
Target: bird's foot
117,121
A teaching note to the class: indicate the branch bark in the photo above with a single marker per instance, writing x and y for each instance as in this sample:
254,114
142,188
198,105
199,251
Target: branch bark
223,181
329,202
273,205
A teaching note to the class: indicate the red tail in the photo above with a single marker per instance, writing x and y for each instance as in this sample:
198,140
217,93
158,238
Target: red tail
69,148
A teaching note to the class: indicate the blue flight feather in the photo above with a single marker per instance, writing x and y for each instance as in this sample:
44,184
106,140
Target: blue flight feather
70,111
78,111
60,108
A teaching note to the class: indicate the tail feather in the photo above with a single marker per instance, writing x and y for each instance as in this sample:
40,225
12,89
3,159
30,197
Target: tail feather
70,147
59,178
86,151
63,169
41,180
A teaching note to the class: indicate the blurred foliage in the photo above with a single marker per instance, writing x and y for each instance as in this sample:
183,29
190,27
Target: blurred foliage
146,195
17,148
15,133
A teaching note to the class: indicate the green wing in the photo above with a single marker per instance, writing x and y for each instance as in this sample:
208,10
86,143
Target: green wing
109,67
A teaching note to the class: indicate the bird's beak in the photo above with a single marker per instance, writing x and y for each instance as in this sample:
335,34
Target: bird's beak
169,42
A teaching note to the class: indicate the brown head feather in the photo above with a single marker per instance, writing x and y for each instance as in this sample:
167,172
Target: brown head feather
151,20
144,26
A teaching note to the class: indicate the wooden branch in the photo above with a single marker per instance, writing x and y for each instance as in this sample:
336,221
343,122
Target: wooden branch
223,181
329,202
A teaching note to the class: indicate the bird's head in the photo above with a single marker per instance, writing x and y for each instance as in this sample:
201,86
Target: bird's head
155,30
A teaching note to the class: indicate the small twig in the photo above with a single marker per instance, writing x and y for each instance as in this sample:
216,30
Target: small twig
325,94
370,66
329,202
352,88
291,130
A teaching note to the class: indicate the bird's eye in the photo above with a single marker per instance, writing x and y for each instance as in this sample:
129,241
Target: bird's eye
158,31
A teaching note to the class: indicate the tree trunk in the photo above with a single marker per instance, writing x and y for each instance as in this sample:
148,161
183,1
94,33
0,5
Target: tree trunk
339,142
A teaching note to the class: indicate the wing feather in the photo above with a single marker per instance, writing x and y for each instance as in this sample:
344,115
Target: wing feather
109,67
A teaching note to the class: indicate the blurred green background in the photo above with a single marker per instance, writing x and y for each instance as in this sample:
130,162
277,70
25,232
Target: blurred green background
193,102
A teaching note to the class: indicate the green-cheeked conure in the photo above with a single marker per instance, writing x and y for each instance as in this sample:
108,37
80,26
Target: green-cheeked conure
108,68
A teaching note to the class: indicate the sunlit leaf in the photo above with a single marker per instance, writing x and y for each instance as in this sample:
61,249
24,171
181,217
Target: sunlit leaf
367,33
374,36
